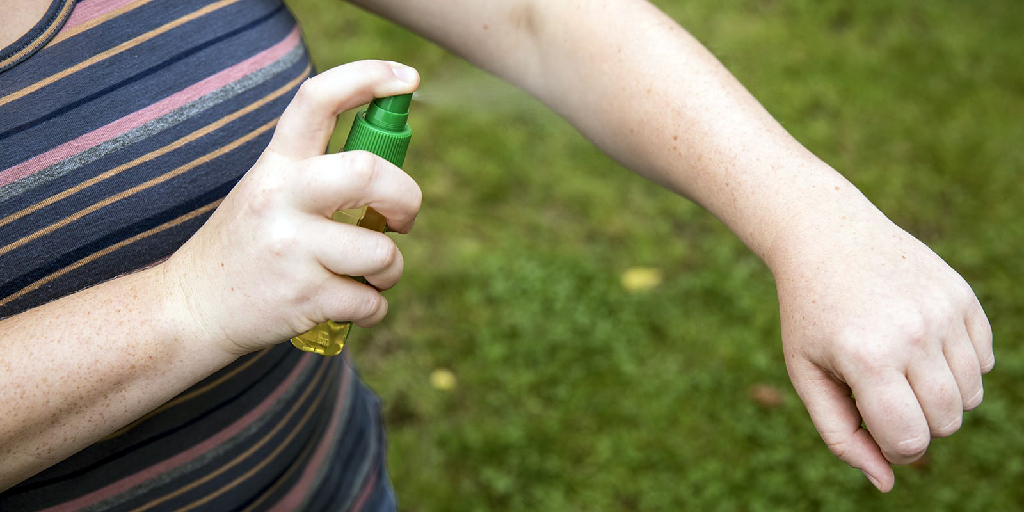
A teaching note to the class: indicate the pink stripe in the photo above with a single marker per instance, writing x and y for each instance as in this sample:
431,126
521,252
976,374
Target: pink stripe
88,11
367,488
293,500
141,117
183,458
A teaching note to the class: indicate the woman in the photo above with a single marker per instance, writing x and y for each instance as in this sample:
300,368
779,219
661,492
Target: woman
146,113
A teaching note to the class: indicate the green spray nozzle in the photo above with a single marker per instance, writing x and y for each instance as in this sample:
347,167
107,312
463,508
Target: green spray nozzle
382,130
389,113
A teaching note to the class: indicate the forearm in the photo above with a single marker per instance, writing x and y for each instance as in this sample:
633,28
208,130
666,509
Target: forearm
866,309
650,95
81,367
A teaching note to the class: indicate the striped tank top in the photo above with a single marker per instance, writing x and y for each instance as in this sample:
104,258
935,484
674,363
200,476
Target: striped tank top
122,125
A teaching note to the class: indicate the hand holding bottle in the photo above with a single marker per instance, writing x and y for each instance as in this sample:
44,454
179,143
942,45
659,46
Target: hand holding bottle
382,130
270,263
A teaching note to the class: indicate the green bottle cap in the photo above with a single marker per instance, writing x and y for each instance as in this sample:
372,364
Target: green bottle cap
382,130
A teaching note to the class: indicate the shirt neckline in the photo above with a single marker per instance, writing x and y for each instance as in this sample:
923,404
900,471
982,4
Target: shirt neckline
38,35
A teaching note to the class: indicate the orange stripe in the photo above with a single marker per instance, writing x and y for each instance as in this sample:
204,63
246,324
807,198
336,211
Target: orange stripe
280,480
258,504
97,21
34,45
339,415
150,156
188,396
252,449
99,254
139,188
127,45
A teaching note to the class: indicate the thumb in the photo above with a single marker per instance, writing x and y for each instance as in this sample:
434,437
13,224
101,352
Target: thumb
308,122
834,414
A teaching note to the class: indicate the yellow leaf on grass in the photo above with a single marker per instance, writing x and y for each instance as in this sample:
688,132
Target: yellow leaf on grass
442,379
638,279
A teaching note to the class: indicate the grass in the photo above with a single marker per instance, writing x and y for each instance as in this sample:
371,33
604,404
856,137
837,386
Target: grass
572,393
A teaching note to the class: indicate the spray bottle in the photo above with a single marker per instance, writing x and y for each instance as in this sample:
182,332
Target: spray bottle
381,129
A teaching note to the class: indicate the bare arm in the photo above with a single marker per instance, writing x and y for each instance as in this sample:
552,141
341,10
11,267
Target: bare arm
639,86
267,265
78,368
865,307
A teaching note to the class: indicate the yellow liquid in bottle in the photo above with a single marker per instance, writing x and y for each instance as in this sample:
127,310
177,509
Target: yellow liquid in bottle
328,338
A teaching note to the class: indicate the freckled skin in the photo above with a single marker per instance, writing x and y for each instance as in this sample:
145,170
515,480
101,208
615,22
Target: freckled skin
656,100
81,367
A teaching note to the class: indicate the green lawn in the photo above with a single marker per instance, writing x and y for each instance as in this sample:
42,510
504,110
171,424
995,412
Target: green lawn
572,393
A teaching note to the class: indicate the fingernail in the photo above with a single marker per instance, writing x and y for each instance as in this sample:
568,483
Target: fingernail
872,480
405,73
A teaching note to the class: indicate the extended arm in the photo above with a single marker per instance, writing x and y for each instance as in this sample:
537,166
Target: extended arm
865,306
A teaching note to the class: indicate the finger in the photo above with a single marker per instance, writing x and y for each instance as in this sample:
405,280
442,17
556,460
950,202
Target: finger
345,300
349,250
308,122
835,415
356,178
389,276
980,331
893,415
963,363
938,394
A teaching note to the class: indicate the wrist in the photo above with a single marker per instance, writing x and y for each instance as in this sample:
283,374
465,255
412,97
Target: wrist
820,211
180,319
816,232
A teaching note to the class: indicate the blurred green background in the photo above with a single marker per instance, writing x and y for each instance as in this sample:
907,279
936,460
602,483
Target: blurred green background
525,366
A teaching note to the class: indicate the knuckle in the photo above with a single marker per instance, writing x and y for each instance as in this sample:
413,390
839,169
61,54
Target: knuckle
300,295
914,329
986,336
411,203
369,306
378,70
975,400
417,199
838,445
949,427
361,168
297,292
966,294
372,309
385,280
308,91
907,337
983,337
867,354
279,239
261,201
261,193
263,196
912,448
386,253
987,366
378,67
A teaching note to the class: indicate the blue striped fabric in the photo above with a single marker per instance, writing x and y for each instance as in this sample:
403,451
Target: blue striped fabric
122,125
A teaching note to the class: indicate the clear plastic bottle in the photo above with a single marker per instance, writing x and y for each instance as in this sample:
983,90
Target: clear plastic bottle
383,130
